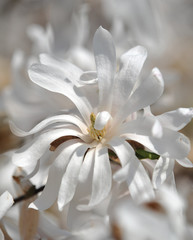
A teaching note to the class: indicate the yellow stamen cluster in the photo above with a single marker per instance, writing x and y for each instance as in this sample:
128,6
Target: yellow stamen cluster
94,133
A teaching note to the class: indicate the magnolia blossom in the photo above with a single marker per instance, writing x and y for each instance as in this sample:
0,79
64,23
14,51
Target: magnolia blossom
108,120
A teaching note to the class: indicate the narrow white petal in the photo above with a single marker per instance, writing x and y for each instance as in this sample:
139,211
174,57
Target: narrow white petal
105,59
163,169
69,70
48,121
131,64
101,120
141,188
6,201
123,150
127,172
53,80
87,165
185,162
127,158
145,94
177,119
70,179
30,153
102,177
157,130
56,171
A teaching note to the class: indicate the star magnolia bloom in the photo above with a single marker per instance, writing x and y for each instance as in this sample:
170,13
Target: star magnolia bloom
105,120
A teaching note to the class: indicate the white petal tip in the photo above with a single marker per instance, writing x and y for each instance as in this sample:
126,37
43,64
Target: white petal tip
32,205
158,76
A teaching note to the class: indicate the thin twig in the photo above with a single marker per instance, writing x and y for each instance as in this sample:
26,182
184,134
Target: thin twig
30,193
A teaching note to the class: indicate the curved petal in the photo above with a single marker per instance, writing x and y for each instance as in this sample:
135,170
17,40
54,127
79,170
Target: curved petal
128,160
70,179
145,94
87,165
105,58
68,69
141,188
6,201
123,150
177,119
102,177
131,64
48,121
89,77
30,153
101,120
185,162
53,80
163,169
50,192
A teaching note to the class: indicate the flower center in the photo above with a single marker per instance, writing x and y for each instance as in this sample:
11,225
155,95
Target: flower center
94,133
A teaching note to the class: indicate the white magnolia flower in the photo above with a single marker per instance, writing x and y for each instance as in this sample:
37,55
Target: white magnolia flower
105,120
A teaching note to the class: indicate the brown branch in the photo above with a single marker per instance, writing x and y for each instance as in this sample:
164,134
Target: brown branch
30,193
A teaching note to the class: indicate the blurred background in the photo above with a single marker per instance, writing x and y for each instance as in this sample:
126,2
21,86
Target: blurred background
65,29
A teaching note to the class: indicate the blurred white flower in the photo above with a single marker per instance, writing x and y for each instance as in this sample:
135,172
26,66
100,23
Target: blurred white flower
6,201
164,218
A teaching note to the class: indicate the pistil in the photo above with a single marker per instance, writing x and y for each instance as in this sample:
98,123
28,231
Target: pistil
94,133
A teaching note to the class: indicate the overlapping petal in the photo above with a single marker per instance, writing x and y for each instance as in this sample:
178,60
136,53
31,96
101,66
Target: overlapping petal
127,158
70,179
105,58
48,121
56,171
131,64
163,169
173,143
141,188
54,81
145,94
67,69
87,165
30,153
102,178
